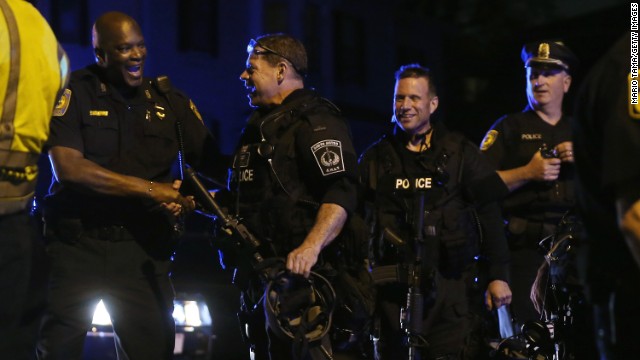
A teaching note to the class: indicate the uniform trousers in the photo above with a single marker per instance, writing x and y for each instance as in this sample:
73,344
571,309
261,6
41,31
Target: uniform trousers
526,258
446,324
616,316
134,286
524,265
22,285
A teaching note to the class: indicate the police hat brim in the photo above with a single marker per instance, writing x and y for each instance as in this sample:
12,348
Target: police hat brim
546,64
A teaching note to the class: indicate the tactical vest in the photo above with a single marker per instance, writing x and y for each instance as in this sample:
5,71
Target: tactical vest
271,197
450,225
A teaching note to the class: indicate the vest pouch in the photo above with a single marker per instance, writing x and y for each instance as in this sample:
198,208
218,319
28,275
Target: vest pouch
460,240
288,225
383,250
355,305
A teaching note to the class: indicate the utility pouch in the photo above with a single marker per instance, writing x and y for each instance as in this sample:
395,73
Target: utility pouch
517,226
62,229
355,305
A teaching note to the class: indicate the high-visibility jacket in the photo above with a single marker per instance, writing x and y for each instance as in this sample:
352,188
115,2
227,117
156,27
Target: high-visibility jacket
33,73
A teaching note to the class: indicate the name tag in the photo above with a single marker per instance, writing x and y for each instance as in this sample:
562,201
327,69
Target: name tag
98,113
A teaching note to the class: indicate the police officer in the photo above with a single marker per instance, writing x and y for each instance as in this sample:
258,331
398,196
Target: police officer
33,72
607,141
440,234
533,153
293,178
113,204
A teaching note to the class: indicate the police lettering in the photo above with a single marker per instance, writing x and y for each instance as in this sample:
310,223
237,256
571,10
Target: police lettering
245,175
418,183
531,137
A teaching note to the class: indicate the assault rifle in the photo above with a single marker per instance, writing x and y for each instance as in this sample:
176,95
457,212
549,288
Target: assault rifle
208,203
417,272
199,191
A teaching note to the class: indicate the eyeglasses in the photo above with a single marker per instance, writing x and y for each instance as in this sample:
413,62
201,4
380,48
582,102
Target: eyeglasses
251,48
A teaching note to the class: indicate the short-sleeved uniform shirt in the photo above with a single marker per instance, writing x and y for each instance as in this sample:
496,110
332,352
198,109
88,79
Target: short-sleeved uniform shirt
289,161
133,136
511,142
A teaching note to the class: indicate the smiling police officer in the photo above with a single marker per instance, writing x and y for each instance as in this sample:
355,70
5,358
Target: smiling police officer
439,236
113,203
293,179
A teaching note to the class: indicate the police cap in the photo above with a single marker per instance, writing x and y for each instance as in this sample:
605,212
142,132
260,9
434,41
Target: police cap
549,55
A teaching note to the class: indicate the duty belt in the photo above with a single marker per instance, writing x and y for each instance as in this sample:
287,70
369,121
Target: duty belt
27,173
528,233
111,233
18,171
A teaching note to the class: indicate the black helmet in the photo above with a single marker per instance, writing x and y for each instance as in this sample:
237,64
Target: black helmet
299,309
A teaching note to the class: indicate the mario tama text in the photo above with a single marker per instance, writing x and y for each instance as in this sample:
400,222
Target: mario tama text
633,75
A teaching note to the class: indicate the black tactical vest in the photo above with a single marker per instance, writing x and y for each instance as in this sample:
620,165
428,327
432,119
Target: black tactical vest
450,227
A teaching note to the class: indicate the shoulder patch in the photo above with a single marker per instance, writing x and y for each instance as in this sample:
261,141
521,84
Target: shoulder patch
489,139
195,110
634,103
328,155
63,103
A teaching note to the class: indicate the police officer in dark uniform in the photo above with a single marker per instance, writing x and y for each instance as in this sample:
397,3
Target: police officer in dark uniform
607,143
293,179
113,206
533,153
459,218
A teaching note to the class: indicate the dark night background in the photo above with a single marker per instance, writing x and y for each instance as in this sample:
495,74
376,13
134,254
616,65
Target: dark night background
354,47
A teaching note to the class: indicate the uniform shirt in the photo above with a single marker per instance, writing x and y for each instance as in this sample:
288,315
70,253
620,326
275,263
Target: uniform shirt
510,143
33,71
131,136
456,180
289,161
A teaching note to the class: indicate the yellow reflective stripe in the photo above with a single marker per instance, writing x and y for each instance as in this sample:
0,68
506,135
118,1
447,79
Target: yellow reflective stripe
11,94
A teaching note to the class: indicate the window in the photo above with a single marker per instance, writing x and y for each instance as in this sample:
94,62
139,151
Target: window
275,17
349,55
198,26
70,21
312,36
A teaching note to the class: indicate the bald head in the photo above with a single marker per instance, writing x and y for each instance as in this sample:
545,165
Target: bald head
109,24
119,49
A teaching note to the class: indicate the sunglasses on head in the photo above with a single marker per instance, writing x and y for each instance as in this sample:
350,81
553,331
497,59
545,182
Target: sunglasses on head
251,48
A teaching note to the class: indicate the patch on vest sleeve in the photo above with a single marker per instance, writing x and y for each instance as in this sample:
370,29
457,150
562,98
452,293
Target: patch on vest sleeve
489,139
328,154
63,103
